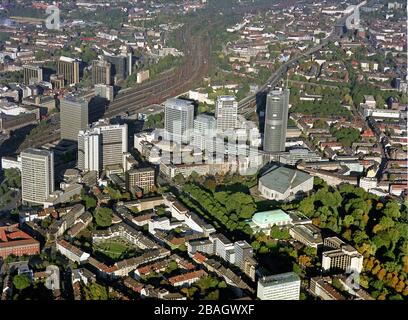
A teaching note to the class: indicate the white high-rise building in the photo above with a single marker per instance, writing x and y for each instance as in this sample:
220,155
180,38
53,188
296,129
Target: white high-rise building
204,132
226,112
89,151
284,286
37,175
178,120
101,145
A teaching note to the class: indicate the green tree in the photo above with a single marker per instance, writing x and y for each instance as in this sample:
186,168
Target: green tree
306,206
210,184
90,202
103,216
171,266
386,223
21,282
392,209
348,220
13,178
320,124
346,136
88,55
278,233
379,101
179,179
213,295
95,291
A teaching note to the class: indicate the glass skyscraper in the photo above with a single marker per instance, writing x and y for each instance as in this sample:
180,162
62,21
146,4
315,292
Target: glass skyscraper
276,120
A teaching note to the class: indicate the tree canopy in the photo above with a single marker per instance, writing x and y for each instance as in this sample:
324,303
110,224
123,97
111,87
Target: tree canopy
95,291
21,282
103,216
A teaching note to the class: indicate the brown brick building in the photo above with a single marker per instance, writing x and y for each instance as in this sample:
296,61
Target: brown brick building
16,242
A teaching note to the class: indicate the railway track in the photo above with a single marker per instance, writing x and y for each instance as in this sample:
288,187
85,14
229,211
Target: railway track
170,83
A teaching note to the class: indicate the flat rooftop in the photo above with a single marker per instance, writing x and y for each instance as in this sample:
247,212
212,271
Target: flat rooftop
279,278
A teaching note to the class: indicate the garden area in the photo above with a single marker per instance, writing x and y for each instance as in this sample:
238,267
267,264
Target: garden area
115,250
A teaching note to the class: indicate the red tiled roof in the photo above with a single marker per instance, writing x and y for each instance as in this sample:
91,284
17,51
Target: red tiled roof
18,243
199,257
12,233
177,241
3,236
18,235
187,276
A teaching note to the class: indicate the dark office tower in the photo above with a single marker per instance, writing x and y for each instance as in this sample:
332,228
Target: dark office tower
73,116
69,68
276,120
101,72
119,63
32,74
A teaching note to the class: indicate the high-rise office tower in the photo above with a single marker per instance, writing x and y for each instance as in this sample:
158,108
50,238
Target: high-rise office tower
89,151
101,145
32,74
284,286
37,175
226,112
73,116
204,132
118,66
276,120
101,72
178,120
69,68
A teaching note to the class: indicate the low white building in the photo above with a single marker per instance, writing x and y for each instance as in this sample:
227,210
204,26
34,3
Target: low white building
265,220
161,223
71,252
11,163
368,183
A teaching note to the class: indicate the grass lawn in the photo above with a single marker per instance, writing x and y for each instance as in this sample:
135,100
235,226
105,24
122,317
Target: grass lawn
112,249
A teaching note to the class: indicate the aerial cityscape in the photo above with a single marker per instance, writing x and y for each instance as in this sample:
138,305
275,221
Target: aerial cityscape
203,150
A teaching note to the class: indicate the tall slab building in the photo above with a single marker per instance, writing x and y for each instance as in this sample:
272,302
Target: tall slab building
37,175
32,74
74,115
101,72
69,69
179,120
226,112
101,145
276,120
